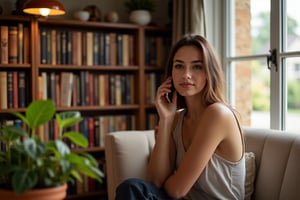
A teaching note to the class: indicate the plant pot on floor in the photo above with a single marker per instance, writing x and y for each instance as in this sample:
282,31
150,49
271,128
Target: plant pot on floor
140,17
56,193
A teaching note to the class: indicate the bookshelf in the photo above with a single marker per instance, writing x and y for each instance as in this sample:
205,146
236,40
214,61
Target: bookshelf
107,71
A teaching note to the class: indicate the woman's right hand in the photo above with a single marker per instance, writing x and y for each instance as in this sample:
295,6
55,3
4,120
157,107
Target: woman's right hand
165,108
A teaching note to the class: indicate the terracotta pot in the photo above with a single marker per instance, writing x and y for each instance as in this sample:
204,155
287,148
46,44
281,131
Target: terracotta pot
57,193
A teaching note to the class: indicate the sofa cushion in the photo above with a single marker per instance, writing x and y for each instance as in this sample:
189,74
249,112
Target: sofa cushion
250,174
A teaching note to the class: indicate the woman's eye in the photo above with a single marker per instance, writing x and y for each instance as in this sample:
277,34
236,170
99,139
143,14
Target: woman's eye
198,67
178,66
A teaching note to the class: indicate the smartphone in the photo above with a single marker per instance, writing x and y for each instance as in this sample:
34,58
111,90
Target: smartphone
169,95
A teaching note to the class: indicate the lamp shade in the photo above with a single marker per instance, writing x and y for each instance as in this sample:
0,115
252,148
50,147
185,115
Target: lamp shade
44,7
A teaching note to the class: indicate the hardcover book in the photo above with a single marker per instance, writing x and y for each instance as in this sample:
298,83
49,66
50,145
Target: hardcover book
13,44
4,44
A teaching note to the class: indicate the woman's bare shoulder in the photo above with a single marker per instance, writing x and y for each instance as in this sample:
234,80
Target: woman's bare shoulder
219,109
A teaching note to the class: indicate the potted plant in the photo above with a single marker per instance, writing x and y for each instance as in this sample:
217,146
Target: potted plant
140,11
28,163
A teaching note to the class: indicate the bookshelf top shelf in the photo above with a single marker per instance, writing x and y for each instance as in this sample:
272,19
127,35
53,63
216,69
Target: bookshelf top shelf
91,24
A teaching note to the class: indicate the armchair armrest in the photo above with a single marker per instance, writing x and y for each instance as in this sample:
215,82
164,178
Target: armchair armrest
126,154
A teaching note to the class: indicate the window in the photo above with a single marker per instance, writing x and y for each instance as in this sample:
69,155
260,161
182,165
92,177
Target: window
266,95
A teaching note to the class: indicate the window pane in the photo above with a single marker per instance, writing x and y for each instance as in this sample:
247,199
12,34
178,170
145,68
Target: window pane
252,28
293,94
252,93
292,25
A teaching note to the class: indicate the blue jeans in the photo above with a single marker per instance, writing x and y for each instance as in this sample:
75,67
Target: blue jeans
137,189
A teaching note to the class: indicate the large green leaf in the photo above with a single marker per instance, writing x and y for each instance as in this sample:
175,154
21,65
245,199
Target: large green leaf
76,138
33,148
86,165
68,118
39,112
62,148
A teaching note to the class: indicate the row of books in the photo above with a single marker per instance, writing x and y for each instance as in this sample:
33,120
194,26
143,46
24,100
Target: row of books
13,89
93,128
14,44
153,80
86,47
157,50
86,89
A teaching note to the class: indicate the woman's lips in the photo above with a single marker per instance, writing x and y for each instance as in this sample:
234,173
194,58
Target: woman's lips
186,85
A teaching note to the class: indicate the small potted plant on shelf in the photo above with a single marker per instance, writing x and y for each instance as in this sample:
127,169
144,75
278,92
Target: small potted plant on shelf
140,11
29,164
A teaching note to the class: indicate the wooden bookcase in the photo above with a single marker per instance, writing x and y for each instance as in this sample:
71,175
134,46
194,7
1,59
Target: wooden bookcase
127,57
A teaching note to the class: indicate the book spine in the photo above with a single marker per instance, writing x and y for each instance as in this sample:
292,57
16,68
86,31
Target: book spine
66,88
20,43
48,47
118,92
131,50
52,86
96,48
74,50
57,90
45,85
69,47
112,89
4,44
106,49
13,44
58,47
53,47
96,89
40,87
120,49
126,50
10,92
15,90
26,45
97,131
91,89
82,88
89,48
113,48
63,47
79,47
91,132
43,47
3,89
102,94
84,48
101,48
86,87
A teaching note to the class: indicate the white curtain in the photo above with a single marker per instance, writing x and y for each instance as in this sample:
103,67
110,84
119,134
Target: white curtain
188,17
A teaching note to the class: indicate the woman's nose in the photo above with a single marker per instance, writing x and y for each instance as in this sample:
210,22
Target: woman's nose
187,74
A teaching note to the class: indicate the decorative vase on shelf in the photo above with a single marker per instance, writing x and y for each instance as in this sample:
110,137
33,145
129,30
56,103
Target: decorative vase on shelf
140,17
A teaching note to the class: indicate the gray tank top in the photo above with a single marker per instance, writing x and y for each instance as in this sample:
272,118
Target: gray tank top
221,179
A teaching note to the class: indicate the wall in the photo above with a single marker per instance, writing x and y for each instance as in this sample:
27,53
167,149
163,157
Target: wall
159,16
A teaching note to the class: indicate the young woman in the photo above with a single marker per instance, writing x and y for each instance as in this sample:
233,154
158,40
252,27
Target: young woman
199,149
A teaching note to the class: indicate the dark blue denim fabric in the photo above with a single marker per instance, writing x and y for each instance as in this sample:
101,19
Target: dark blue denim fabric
137,189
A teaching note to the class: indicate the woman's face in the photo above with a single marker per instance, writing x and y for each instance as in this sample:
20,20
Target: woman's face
188,73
